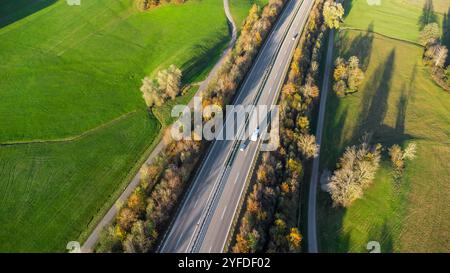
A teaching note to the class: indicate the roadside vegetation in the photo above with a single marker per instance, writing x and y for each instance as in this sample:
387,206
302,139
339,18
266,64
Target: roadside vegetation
144,218
399,105
270,216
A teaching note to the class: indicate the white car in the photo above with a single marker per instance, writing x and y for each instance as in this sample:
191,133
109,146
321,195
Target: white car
295,36
255,135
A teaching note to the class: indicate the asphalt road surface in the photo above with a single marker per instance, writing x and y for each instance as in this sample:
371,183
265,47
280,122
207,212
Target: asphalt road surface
206,214
312,201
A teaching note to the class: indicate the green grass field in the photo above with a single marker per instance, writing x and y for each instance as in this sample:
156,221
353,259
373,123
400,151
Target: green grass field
70,69
394,18
74,127
399,103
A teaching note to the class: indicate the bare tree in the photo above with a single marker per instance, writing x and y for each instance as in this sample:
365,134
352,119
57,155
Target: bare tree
357,168
307,145
430,34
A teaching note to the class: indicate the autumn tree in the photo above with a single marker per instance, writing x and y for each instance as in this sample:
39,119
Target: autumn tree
109,241
310,90
138,241
430,34
307,145
333,13
126,218
357,168
436,55
355,74
294,239
398,157
165,86
169,81
151,92
348,76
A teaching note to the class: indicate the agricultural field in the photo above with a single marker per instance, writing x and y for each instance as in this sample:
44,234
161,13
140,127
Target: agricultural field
399,19
74,126
400,104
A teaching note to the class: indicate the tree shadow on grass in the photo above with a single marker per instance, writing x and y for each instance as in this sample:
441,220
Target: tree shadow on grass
428,15
360,46
374,104
383,236
397,135
14,10
348,4
332,238
446,32
333,132
204,59
373,109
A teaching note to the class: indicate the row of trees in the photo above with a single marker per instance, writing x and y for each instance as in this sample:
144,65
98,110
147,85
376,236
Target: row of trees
147,211
270,218
166,85
435,54
147,4
347,75
255,29
146,214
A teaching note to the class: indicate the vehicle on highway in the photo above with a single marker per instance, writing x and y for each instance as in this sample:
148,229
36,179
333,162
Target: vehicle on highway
243,146
295,36
255,135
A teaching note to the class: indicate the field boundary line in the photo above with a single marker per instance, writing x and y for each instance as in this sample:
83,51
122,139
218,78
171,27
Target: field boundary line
380,34
71,138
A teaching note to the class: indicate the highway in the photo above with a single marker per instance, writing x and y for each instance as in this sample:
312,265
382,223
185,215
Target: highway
203,222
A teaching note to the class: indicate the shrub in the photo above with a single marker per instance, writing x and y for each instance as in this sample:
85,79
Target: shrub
356,171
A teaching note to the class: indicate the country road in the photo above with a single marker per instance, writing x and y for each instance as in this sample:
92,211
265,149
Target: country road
207,212
91,241
312,200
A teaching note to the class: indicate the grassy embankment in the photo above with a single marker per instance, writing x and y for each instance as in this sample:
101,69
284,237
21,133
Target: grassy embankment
400,103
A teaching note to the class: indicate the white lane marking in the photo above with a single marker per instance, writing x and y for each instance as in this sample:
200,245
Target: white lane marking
223,213
237,176
179,239
192,237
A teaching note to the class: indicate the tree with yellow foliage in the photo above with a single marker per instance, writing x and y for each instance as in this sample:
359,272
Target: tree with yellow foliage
294,239
333,13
